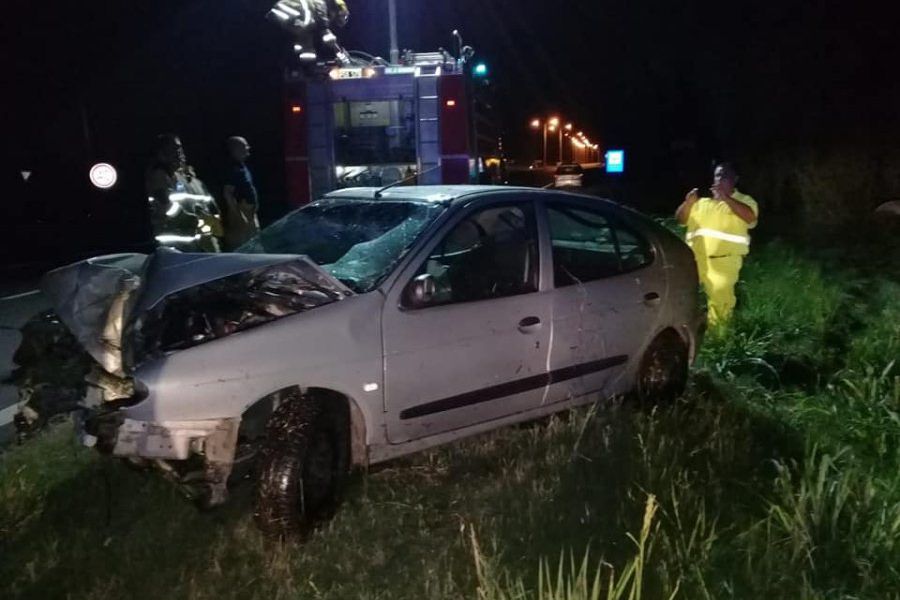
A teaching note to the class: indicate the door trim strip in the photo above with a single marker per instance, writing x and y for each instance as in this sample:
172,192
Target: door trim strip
511,388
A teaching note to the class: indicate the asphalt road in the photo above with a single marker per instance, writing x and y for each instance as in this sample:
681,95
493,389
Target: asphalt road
18,303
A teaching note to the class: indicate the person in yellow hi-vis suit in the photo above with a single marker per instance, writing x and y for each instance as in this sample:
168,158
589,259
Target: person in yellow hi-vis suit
717,232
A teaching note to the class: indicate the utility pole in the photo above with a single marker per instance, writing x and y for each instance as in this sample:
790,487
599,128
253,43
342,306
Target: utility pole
392,17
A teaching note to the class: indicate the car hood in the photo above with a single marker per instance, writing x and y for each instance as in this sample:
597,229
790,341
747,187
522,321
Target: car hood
107,301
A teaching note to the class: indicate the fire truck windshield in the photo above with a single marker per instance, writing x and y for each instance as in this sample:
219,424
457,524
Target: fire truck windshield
375,142
357,241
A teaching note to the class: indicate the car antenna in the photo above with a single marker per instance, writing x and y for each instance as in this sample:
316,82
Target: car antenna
402,181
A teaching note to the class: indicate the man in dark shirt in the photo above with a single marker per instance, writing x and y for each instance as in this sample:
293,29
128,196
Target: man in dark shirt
241,200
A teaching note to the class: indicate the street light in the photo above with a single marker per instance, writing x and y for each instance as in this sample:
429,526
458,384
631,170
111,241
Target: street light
578,150
555,128
538,124
553,124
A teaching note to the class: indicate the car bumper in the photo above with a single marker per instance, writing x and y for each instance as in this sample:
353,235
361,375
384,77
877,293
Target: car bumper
168,440
167,446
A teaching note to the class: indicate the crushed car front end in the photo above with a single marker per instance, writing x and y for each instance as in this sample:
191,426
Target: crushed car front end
122,317
182,359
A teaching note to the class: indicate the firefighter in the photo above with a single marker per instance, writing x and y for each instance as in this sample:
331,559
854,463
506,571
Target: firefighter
178,201
310,23
336,15
206,209
717,232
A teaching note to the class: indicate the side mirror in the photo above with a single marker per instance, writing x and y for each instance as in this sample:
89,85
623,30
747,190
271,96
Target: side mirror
420,291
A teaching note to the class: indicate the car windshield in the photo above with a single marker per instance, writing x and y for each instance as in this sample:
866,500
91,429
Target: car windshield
359,242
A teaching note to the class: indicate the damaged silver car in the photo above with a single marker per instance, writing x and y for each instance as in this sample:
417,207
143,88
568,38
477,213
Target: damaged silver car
369,325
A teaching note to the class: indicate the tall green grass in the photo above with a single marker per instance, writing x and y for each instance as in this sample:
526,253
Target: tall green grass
777,475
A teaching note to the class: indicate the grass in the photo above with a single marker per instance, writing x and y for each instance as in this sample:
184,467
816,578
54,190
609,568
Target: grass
778,475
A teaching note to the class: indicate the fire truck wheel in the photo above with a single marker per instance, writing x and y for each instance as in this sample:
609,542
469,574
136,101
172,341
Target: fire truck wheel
303,466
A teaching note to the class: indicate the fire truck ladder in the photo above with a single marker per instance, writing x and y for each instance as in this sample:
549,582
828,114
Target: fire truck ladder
428,132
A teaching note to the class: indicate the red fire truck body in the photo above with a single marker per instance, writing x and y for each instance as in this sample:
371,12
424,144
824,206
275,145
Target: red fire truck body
380,124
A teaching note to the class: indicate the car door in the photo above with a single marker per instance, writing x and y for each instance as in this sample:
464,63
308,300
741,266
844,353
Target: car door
476,349
603,309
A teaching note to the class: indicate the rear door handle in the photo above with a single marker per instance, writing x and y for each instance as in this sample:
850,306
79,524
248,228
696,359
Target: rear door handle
529,324
652,299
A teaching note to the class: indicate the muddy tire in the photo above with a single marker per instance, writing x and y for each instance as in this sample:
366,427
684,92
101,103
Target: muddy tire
663,372
303,466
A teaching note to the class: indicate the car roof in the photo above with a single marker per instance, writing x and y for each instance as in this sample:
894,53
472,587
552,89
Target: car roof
449,194
453,194
422,193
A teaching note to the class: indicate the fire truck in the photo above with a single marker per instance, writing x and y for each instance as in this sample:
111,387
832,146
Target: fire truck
424,119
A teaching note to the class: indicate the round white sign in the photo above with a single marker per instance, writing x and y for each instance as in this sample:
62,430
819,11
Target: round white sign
103,176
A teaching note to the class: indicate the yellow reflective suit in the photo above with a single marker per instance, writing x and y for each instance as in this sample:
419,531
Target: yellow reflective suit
720,240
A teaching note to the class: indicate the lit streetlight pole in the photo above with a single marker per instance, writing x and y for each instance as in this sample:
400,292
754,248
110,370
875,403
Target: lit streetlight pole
538,124
555,128
577,140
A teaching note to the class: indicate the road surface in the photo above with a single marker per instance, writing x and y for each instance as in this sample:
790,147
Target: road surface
18,303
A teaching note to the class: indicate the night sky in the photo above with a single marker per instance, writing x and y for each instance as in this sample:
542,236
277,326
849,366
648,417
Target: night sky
96,80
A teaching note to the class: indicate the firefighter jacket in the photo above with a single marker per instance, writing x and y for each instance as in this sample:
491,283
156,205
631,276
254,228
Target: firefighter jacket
714,230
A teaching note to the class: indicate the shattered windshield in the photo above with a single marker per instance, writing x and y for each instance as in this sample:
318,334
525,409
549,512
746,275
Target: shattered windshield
357,241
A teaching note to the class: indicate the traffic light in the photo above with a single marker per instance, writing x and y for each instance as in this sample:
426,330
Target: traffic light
480,70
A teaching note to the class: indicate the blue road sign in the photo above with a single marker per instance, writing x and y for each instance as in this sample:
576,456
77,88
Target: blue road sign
615,161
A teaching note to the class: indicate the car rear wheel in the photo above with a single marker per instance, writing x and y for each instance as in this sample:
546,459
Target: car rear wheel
303,465
663,371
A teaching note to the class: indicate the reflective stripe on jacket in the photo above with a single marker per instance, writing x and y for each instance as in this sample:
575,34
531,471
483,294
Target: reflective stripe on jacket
719,235
714,229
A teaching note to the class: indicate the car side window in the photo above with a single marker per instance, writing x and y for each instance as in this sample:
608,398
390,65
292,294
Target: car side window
584,246
634,251
491,253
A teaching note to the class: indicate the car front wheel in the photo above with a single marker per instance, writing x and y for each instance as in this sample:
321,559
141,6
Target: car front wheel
303,466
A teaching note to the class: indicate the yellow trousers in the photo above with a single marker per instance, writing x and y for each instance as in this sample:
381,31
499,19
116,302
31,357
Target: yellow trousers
719,275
